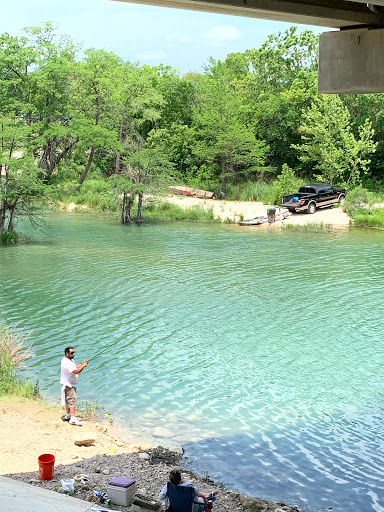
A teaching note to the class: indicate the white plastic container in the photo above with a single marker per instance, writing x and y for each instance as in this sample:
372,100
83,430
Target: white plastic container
121,491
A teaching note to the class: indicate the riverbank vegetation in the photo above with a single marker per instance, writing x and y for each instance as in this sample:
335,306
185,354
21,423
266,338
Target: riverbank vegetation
13,352
312,227
360,206
86,127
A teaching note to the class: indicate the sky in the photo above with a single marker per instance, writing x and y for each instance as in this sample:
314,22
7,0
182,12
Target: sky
140,33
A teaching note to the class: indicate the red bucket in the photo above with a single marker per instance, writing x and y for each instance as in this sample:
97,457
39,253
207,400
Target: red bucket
46,463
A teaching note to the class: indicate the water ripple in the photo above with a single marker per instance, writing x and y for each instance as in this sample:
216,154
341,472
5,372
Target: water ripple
261,352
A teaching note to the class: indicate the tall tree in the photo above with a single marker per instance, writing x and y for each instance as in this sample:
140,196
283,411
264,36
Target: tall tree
223,139
50,95
147,170
328,145
93,90
137,107
20,185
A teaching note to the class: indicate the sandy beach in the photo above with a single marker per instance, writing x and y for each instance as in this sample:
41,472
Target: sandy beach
234,211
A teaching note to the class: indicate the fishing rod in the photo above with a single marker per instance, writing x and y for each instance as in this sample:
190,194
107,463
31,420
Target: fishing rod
99,353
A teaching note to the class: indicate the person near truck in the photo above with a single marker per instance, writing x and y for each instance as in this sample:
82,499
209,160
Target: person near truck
271,214
68,380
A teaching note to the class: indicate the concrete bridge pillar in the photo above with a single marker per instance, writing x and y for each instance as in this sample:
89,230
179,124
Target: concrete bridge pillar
351,61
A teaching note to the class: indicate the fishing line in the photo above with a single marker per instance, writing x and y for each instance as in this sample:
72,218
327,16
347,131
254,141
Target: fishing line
104,350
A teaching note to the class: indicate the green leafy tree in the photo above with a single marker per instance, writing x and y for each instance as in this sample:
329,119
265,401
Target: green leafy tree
222,138
20,186
146,171
50,96
178,96
34,86
369,106
282,59
329,146
286,183
178,142
93,92
137,107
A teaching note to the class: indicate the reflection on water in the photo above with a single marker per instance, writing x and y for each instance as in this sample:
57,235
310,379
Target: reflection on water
321,465
255,349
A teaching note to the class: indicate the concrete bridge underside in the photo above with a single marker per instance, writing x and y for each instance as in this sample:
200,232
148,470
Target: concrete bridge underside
350,60
324,13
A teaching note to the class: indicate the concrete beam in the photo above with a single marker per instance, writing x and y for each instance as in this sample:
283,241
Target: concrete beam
324,13
351,61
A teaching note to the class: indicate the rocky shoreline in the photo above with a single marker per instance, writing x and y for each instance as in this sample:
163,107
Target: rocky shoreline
29,428
150,469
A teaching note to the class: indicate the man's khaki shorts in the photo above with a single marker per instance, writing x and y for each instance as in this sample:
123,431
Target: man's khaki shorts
70,396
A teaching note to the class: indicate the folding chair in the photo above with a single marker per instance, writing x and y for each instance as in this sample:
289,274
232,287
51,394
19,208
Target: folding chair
180,498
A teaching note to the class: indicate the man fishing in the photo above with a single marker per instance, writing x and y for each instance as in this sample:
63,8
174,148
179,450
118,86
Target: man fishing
68,381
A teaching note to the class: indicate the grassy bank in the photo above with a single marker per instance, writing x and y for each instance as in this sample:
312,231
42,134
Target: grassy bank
369,218
313,227
13,352
162,210
360,207
96,194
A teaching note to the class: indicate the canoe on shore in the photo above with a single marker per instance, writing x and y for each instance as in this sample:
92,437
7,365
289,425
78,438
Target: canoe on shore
254,222
192,192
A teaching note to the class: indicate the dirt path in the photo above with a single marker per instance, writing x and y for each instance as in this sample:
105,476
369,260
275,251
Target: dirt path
236,210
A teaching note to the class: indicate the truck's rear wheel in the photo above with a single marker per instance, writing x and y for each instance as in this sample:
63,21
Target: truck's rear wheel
341,199
311,207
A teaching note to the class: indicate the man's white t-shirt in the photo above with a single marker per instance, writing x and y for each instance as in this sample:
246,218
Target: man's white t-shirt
68,378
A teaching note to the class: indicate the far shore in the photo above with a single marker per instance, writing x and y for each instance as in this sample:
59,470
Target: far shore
30,428
234,211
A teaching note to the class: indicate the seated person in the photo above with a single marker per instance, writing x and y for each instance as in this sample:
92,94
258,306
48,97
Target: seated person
201,498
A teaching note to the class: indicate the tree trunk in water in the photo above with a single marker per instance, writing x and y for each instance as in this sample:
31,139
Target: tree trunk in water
122,218
139,207
2,218
11,218
126,208
87,167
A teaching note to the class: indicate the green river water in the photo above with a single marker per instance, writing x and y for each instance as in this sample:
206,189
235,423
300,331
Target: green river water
260,351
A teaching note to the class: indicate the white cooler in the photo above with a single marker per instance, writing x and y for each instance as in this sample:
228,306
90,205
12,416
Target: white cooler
121,491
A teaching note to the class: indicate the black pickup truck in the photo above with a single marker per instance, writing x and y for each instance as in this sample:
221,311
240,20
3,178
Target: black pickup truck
310,197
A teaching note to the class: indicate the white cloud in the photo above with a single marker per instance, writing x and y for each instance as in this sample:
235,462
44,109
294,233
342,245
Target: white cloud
221,34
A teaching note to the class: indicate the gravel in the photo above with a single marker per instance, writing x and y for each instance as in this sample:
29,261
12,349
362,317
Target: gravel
150,469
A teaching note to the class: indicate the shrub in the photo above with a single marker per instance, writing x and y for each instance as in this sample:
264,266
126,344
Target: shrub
167,211
96,194
364,217
286,183
357,199
9,238
13,352
268,193
250,191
